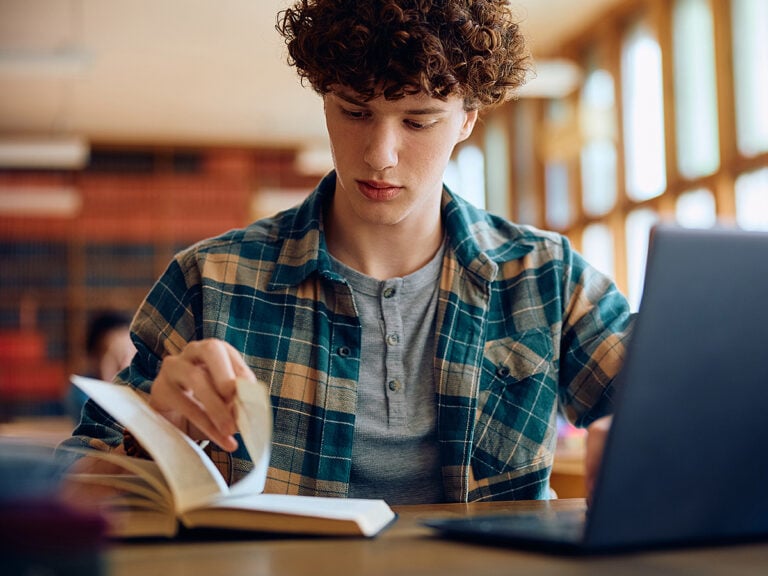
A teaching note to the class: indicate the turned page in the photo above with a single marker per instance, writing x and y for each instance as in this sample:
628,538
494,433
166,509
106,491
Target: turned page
192,478
254,421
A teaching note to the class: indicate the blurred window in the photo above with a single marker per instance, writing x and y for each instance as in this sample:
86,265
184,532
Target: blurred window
696,209
598,155
597,247
466,175
598,174
752,200
638,227
558,207
750,62
643,101
695,89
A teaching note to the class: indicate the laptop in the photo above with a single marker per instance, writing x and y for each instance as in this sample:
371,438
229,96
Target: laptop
685,461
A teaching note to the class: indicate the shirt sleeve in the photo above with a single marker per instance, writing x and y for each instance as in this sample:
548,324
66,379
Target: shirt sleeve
596,326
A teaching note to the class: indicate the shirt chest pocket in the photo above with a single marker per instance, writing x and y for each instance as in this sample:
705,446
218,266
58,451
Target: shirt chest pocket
516,414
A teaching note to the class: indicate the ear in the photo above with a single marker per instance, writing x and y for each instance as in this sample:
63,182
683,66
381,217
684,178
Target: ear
468,126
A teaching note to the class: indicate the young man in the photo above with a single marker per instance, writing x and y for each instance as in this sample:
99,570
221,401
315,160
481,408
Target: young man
416,348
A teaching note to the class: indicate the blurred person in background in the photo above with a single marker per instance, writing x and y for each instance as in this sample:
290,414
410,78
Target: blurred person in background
108,348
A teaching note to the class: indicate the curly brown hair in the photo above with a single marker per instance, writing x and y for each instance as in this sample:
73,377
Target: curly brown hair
470,48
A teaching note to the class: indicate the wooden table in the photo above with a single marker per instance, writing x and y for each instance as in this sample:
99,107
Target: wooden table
41,431
409,548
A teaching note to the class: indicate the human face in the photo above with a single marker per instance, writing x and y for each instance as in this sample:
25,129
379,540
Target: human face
116,350
390,155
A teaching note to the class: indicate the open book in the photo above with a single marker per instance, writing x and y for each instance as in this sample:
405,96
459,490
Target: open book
181,485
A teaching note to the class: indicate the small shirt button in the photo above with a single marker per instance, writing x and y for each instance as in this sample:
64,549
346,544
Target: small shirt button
392,339
502,371
395,385
344,351
389,292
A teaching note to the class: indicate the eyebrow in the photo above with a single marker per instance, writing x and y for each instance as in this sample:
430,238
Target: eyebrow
429,110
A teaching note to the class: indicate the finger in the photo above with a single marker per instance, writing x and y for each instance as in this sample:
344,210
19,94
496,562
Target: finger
200,388
242,370
217,358
201,425
184,394
197,420
200,385
232,364
597,434
216,389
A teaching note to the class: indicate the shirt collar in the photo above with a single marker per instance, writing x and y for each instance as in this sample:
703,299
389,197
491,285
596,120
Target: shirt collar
478,239
304,251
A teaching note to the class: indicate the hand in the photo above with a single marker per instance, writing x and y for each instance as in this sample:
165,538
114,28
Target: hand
597,432
195,390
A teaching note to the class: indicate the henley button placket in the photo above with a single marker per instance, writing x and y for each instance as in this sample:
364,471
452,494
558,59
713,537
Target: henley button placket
392,326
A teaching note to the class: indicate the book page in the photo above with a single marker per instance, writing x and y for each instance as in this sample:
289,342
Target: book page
126,485
191,476
254,421
147,470
291,513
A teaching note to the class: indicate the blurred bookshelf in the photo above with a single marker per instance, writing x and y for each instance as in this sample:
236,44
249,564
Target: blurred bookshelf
73,243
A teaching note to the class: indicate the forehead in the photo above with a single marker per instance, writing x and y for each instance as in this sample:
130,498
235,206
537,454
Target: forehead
419,103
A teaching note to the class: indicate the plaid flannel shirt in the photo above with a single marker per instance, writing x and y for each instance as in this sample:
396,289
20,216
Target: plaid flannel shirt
523,326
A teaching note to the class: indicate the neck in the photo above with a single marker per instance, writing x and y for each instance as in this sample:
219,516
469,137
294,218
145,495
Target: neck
387,251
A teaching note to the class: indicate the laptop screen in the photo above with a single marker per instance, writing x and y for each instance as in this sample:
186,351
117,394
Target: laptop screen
684,458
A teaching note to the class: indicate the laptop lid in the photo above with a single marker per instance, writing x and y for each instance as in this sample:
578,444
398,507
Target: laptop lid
685,459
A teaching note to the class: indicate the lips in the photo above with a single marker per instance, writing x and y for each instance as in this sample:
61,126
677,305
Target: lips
378,190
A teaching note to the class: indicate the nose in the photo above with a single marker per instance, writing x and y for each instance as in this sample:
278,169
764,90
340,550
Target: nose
381,150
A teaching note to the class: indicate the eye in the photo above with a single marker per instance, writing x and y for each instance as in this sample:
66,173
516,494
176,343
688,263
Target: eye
355,114
414,125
